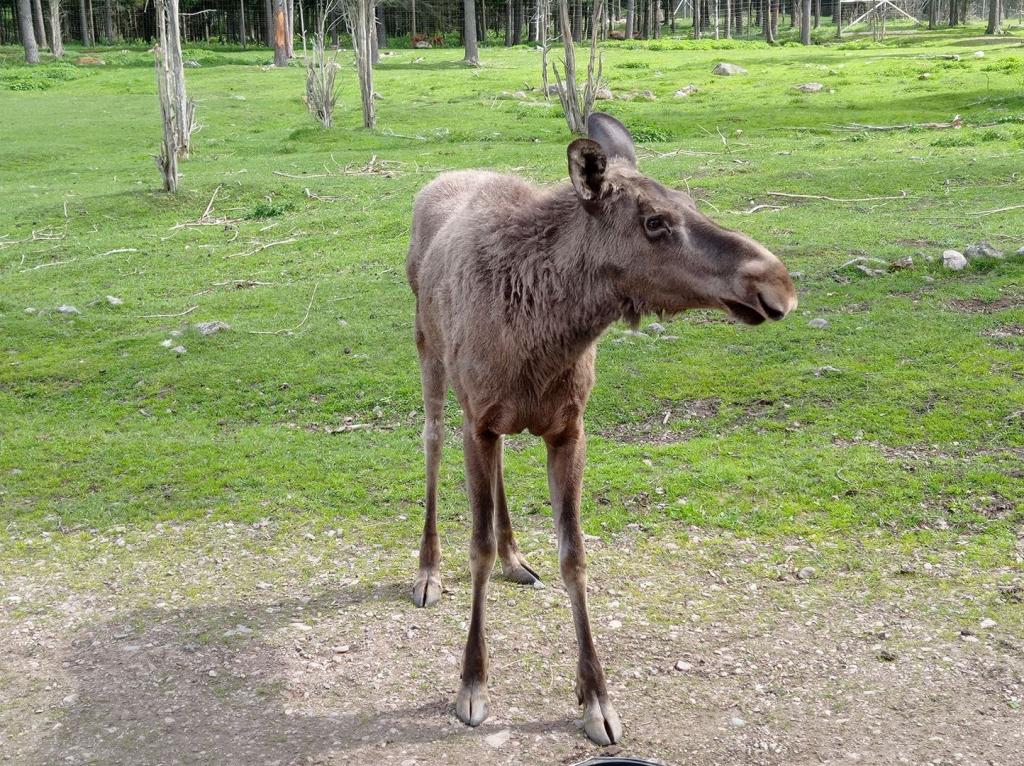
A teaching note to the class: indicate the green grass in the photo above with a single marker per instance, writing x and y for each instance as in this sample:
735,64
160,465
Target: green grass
918,435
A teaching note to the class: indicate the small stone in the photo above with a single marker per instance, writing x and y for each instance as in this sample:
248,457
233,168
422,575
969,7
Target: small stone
343,649
1019,252
656,328
685,91
887,655
828,369
302,626
818,323
906,262
615,624
211,328
796,276
68,310
682,666
810,87
924,76
192,63
498,739
167,343
952,259
113,300
646,95
987,623
969,637
982,249
806,573
737,722
979,54
604,94
30,310
178,350
727,70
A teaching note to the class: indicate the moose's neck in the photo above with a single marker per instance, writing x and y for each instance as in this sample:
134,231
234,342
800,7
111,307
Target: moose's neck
556,290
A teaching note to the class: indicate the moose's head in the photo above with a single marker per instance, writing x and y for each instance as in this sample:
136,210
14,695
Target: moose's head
664,255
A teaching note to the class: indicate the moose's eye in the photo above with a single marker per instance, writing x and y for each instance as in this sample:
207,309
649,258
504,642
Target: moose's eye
654,224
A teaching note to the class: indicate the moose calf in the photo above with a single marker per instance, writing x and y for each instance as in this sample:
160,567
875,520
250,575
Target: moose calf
514,284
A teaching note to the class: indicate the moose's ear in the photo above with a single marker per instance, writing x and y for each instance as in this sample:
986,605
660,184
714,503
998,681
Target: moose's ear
613,137
587,162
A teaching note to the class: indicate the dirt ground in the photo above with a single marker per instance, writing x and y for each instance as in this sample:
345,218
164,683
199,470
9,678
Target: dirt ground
169,648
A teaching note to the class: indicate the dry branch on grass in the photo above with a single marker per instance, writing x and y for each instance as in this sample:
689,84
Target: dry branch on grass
290,330
207,218
260,247
40,235
956,122
826,198
186,312
997,210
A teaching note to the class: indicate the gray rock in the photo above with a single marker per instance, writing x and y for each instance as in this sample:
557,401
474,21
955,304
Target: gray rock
211,328
553,89
69,310
192,63
983,249
924,76
30,310
1020,252
113,300
727,70
688,90
953,259
818,323
806,573
656,328
906,262
828,369
178,350
604,94
810,87
682,666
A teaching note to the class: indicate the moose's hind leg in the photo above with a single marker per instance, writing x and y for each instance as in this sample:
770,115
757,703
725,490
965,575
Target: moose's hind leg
426,589
513,564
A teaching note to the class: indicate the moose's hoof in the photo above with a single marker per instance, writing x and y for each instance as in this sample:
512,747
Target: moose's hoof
516,569
471,704
427,588
600,721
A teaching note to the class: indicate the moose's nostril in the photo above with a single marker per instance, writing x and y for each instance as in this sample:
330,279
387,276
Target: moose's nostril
769,309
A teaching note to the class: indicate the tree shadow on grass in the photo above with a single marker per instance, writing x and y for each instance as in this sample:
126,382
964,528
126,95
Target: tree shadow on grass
248,683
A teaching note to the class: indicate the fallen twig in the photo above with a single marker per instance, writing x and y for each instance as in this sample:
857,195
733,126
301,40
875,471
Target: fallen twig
956,122
118,250
264,246
997,210
290,330
241,283
45,265
758,208
167,316
902,195
322,197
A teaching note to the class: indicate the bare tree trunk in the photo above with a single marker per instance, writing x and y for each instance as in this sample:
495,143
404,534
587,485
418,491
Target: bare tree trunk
472,57
630,18
242,33
995,13
280,34
56,35
769,32
805,21
728,18
412,27
83,14
697,20
290,30
28,35
268,31
38,27
108,21
361,18
177,109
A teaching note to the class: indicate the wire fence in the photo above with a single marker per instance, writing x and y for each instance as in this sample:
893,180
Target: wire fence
418,23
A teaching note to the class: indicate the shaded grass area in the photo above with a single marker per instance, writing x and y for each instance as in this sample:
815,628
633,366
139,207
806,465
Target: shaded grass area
917,432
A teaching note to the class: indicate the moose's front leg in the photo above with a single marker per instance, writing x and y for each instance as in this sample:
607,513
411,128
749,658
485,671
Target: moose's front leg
566,456
481,450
